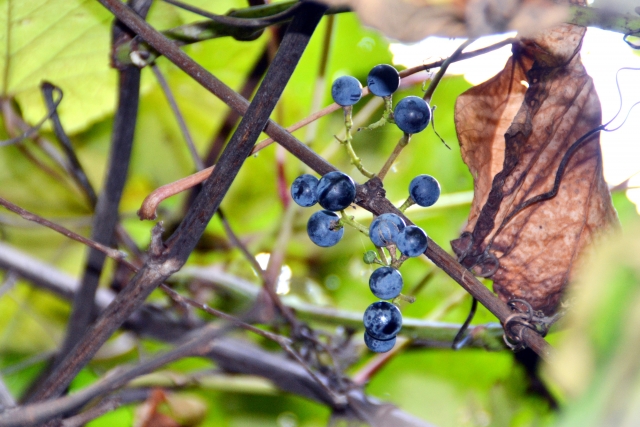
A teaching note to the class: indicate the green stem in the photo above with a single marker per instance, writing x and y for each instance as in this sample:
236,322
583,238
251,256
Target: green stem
383,256
348,220
392,158
397,263
405,298
407,203
346,143
387,115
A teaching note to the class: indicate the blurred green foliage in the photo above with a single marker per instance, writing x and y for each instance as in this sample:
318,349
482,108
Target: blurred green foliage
464,388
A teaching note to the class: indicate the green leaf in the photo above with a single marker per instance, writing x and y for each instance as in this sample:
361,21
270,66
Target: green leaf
65,42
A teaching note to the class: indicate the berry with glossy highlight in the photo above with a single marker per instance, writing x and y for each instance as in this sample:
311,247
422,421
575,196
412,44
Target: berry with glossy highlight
386,283
383,80
412,114
385,228
382,320
303,190
346,91
336,191
424,190
412,241
323,228
379,346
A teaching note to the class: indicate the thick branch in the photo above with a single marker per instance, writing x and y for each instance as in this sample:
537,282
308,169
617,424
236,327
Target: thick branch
165,261
106,210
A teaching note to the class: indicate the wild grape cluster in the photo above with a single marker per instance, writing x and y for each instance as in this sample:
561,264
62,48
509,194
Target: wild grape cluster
335,191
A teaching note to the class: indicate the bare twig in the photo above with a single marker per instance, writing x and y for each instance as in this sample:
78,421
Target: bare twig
222,315
443,69
112,253
107,405
238,244
76,170
179,117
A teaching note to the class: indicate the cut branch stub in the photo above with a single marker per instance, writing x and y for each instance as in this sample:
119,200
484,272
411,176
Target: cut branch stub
514,131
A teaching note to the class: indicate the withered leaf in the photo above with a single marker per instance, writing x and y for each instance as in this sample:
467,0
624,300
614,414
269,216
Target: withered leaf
414,20
514,138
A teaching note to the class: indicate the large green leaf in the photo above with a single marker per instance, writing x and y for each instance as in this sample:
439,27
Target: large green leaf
65,42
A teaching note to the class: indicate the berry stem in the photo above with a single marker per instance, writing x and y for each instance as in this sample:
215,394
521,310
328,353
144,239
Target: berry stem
348,220
394,155
392,253
407,203
383,256
355,160
398,262
406,298
387,115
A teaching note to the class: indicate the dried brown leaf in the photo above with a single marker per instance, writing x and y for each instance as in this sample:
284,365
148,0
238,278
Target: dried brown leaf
513,139
414,20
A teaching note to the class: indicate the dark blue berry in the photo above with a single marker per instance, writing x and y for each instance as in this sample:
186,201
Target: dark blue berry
382,320
412,241
412,114
385,228
346,90
386,283
378,346
323,228
303,190
424,190
383,80
336,191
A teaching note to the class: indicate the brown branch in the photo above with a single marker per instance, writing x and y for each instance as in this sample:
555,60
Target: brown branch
29,216
179,117
106,216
